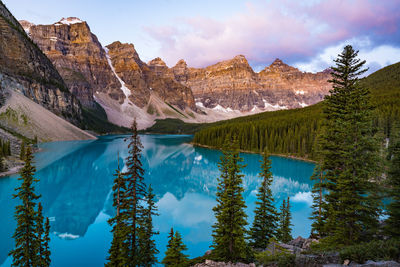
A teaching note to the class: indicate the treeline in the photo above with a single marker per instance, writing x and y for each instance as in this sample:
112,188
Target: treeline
283,132
294,132
5,150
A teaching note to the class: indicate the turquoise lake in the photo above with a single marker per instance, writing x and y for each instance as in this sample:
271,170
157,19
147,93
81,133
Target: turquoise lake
76,179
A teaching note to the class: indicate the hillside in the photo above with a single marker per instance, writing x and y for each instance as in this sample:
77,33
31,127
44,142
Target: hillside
31,120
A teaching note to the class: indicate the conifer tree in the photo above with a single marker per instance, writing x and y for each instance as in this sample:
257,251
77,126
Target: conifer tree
46,247
118,253
40,233
43,238
174,255
22,151
349,152
147,245
319,206
393,221
25,235
266,217
285,230
2,164
134,194
229,231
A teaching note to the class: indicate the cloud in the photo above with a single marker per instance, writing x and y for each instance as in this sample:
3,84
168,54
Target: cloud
292,31
303,197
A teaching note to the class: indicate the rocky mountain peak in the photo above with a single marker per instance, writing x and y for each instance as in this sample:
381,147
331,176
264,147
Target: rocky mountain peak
181,63
279,66
70,20
125,52
26,25
157,62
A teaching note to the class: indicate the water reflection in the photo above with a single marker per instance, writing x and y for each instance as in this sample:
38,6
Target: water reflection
76,180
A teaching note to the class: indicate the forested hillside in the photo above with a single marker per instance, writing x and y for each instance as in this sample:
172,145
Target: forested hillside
293,132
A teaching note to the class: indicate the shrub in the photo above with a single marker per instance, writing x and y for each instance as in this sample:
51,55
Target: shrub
282,258
374,250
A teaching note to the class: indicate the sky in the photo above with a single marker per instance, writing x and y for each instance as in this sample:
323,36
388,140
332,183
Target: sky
306,34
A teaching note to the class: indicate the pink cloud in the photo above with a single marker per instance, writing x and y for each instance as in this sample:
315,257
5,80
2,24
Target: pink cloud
285,29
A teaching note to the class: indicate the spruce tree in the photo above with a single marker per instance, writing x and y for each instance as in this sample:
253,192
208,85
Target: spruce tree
285,217
229,231
266,217
174,255
3,167
393,221
43,238
22,151
46,247
319,206
40,233
25,235
147,246
349,152
118,253
133,196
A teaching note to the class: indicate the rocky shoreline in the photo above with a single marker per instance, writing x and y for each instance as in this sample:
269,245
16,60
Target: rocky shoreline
299,248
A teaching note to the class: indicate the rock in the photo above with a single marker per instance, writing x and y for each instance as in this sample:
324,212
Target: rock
376,264
210,263
233,84
79,57
298,242
308,242
144,80
317,260
24,68
292,249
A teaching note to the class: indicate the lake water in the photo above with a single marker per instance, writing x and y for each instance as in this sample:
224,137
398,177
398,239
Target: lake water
76,179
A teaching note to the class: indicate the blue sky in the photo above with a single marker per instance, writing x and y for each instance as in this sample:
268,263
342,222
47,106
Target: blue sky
306,34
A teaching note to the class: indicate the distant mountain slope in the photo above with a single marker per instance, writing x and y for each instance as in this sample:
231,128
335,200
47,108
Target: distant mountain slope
294,131
29,119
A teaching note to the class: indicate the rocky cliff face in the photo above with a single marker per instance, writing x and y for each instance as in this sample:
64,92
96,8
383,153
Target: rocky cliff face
25,68
143,79
233,84
114,76
79,57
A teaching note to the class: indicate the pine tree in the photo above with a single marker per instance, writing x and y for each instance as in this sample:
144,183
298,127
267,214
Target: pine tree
349,152
118,253
147,245
265,218
393,221
43,239
319,206
46,247
40,233
174,255
22,151
25,250
229,231
2,164
132,211
285,217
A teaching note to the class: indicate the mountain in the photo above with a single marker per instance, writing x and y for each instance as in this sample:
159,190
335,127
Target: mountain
125,87
233,85
112,76
25,68
293,132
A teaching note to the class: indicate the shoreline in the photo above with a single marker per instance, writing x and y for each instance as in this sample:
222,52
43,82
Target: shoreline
13,170
252,152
